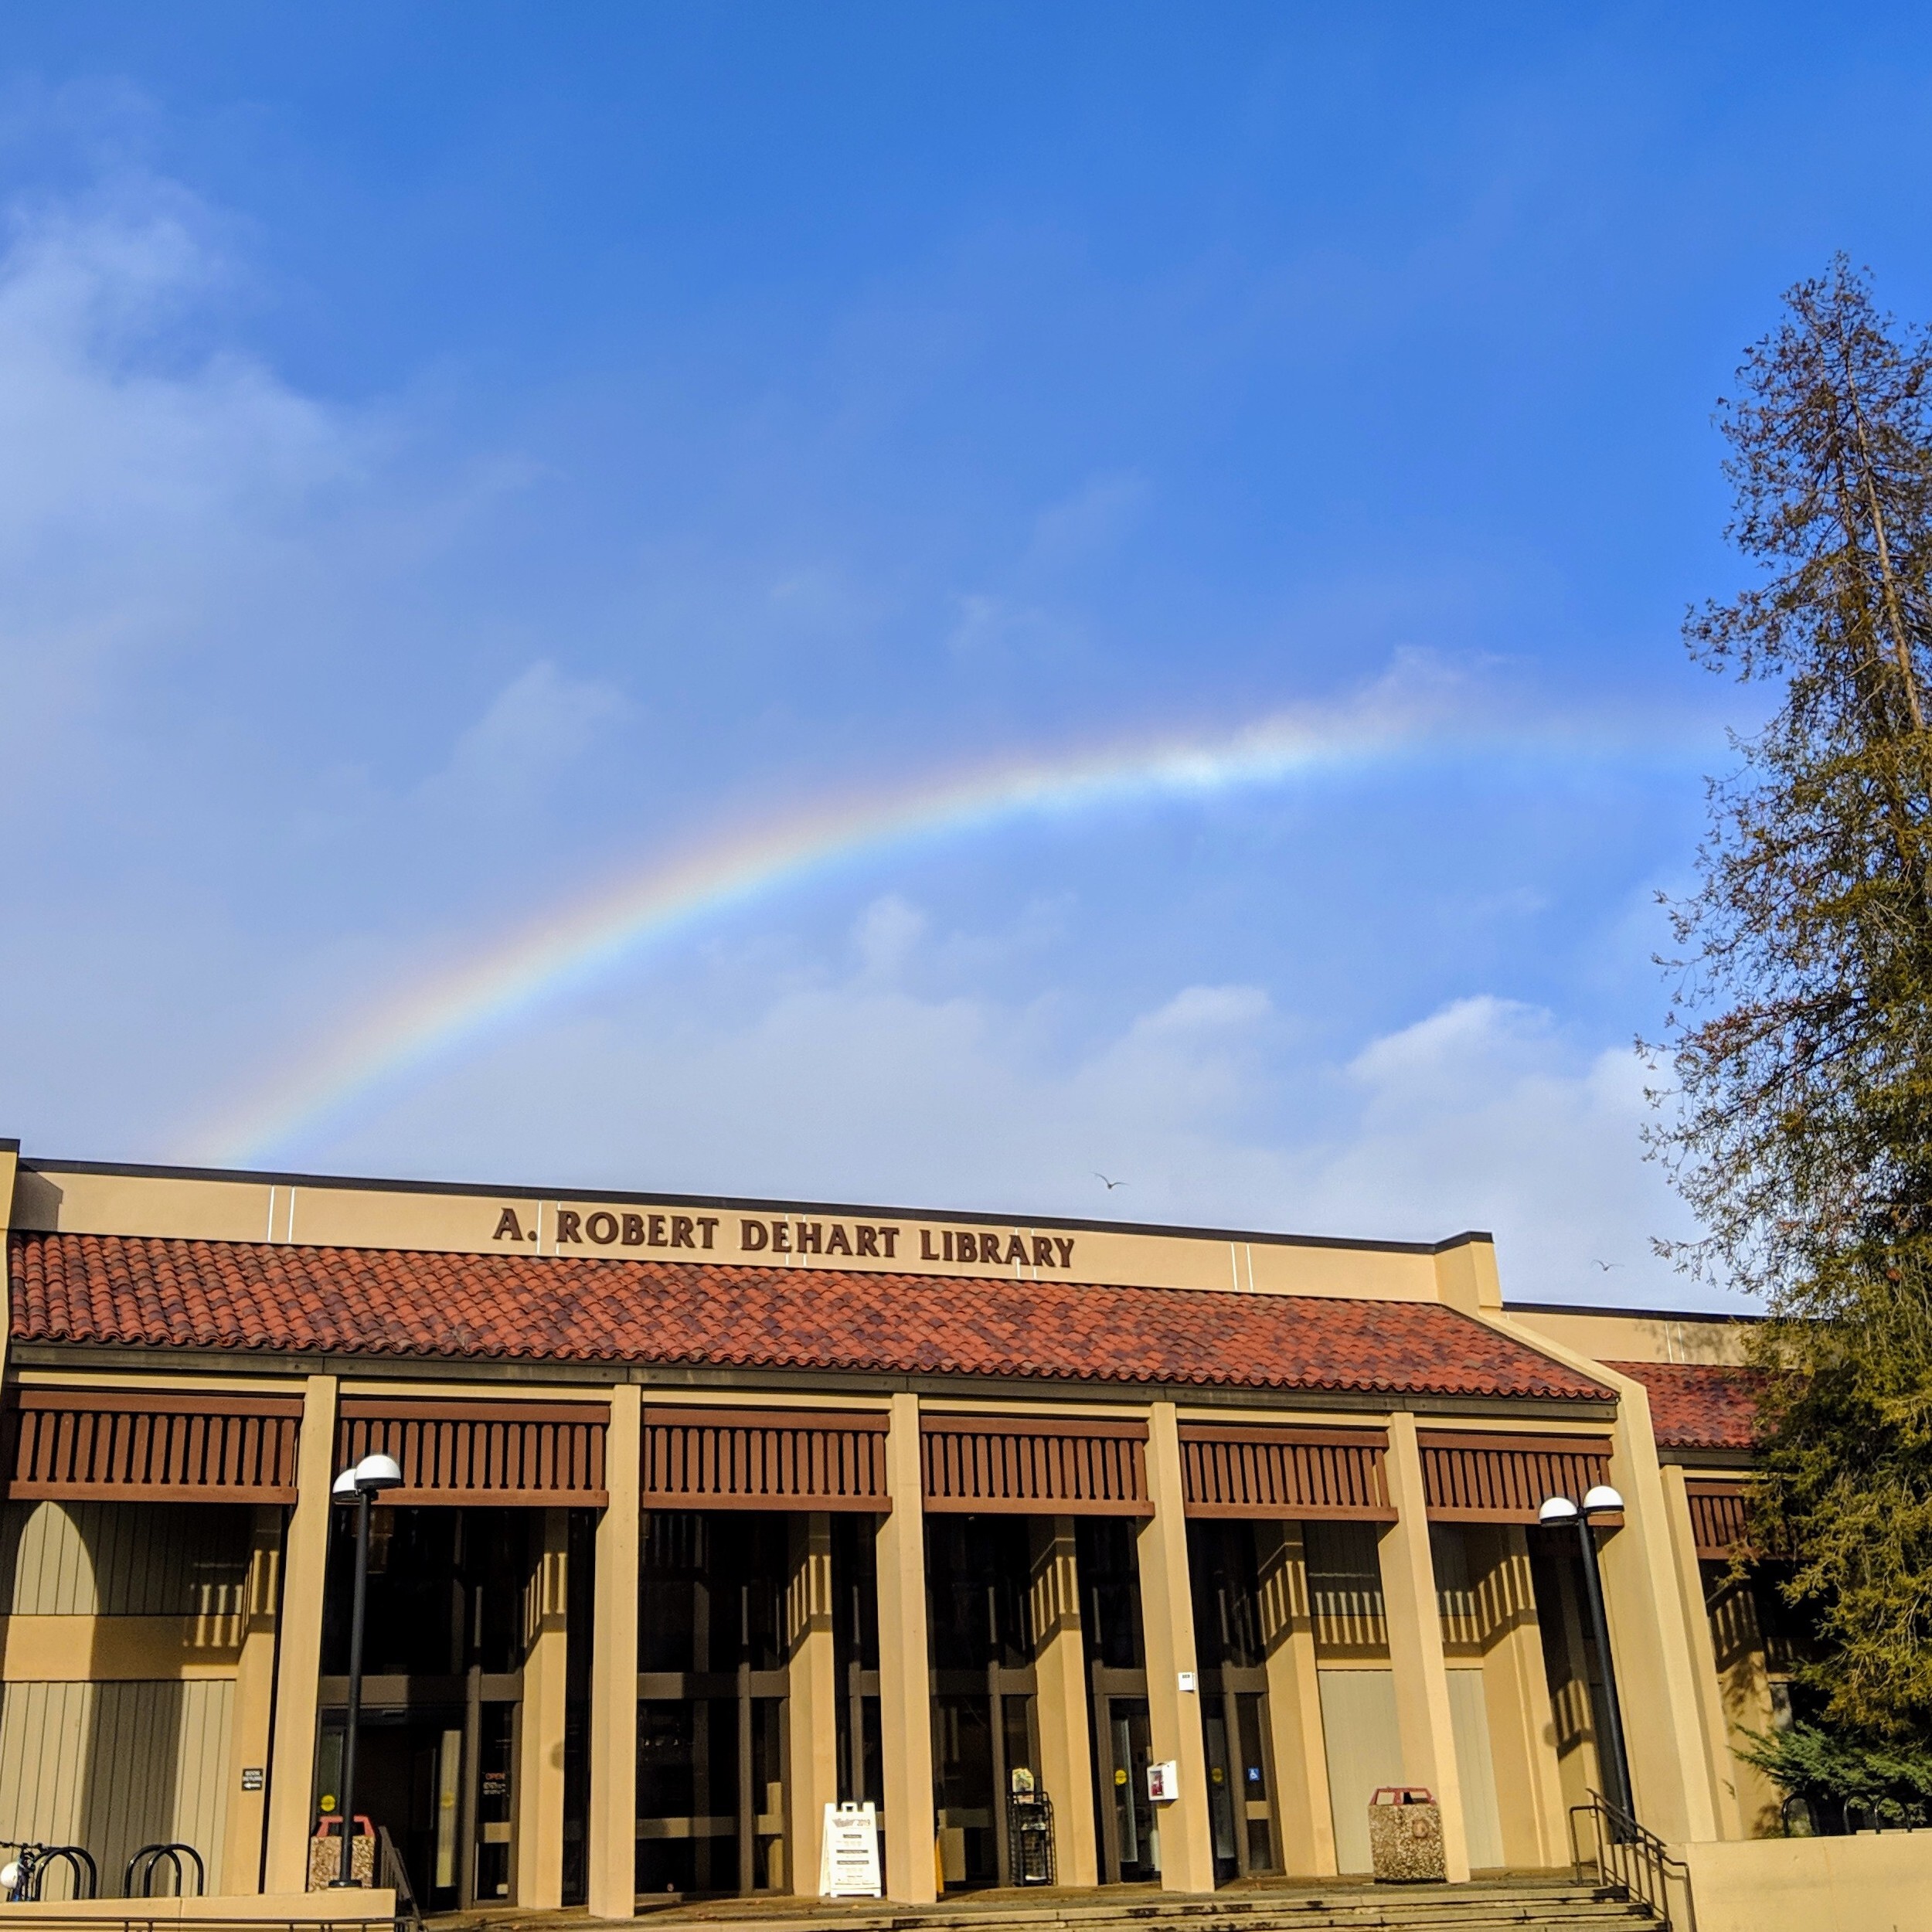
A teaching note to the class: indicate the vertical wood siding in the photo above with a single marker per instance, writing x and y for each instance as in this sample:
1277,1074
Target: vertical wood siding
114,1766
540,1455
1363,1743
1505,1478
1718,1519
73,1442
1475,1769
1298,1474
764,1459
1034,1466
124,1560
1344,1590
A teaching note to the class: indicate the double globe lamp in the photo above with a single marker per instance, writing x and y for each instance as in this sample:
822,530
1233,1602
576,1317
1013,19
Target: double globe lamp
1557,1512
368,1479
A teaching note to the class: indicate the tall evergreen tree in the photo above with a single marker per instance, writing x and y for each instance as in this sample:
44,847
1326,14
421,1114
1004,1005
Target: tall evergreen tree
1801,1124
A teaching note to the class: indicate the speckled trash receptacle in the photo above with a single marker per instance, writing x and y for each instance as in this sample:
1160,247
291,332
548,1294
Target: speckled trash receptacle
325,1856
1405,1835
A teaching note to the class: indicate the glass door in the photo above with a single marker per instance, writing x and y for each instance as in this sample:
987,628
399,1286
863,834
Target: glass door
1130,1830
1224,1566
409,1781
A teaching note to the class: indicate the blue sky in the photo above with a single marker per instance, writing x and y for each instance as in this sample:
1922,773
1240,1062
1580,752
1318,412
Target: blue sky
450,456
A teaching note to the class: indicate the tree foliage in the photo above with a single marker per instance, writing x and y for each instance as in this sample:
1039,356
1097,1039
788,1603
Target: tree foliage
1801,1036
1891,1784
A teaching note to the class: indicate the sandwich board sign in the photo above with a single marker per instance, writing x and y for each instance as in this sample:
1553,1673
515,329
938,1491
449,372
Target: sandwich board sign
848,1862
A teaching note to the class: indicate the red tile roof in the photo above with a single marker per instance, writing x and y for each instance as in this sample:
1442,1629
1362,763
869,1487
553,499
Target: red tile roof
160,1293
1697,1405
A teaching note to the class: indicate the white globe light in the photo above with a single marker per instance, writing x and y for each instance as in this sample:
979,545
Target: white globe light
343,1488
1557,1509
1602,1497
10,1875
378,1472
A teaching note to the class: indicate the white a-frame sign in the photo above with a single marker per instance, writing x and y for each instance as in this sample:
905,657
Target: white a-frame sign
848,1865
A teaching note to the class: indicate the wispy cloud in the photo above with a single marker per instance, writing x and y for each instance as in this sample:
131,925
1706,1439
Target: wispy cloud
1213,1106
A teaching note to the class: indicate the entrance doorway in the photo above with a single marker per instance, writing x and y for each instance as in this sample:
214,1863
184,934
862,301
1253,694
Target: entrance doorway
409,1780
442,1664
1126,1825
1224,1563
985,1731
711,1688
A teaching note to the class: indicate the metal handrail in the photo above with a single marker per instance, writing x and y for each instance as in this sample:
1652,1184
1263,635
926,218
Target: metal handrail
1635,1859
392,1873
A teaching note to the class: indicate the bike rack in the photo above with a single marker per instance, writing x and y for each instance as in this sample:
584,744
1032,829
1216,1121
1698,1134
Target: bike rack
33,1862
154,1854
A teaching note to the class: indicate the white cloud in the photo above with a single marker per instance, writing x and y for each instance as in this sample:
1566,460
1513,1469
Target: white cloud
1090,521
888,932
539,725
143,488
1208,1106
1482,1115
992,630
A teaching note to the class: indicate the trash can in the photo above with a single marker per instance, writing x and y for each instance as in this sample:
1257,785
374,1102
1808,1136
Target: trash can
325,1852
1405,1835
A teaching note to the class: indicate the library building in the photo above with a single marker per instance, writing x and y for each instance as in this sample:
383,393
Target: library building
581,1549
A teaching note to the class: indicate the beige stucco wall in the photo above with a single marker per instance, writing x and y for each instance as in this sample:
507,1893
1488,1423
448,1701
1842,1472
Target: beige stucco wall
320,1213
365,1907
1875,1882
1606,1334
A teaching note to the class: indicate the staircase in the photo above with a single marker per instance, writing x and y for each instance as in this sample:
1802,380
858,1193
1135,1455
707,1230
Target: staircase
1494,1905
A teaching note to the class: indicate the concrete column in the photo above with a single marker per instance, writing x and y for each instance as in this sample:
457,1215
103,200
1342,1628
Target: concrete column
1515,1688
812,1700
905,1671
1167,1625
248,1730
1304,1817
1657,1671
613,1846
298,1668
1738,1641
1697,1627
1060,1673
1415,1644
536,1834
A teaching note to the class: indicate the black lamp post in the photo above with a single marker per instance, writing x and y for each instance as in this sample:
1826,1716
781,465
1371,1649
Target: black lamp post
372,1474
1555,1511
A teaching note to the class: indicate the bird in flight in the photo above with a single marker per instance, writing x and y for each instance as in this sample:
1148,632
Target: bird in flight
1099,1176
1605,1266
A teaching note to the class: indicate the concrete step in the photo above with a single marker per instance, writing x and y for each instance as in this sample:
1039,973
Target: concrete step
1240,1911
1552,1904
1369,1915
1483,1905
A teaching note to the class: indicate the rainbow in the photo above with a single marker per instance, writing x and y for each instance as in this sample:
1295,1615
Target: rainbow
576,944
